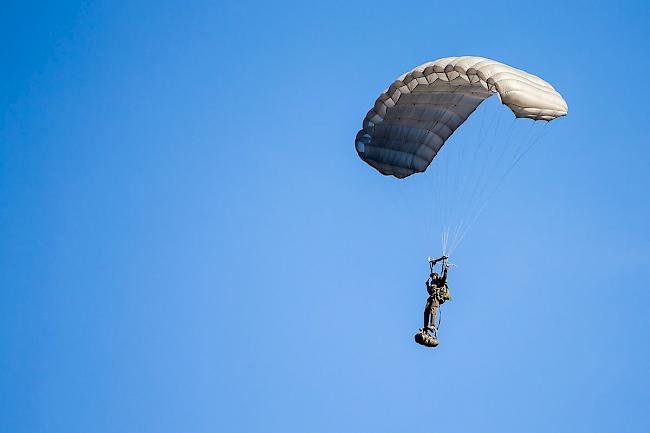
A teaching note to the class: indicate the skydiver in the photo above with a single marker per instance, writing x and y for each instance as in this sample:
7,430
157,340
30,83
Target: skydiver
438,293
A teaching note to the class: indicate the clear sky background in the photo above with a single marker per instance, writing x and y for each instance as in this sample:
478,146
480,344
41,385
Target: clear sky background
190,243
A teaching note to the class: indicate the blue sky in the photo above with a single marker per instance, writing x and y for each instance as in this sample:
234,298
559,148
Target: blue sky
189,242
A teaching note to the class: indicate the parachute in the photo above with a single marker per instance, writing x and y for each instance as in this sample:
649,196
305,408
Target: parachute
412,120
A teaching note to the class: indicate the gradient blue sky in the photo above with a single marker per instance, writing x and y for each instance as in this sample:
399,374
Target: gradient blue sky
189,242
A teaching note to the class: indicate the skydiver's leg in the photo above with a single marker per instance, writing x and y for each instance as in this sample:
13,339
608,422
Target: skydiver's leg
432,317
427,314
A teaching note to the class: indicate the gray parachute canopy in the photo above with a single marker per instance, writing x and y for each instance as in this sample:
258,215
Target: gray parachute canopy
414,117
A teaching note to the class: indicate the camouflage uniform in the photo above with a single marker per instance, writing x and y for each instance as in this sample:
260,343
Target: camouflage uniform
438,295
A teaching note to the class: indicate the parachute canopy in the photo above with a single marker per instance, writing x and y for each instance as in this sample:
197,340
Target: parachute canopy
413,118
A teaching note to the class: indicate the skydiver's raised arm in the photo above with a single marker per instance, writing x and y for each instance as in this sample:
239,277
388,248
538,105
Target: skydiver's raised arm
445,268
